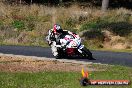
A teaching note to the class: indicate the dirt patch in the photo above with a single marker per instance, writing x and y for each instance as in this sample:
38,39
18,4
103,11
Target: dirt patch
22,64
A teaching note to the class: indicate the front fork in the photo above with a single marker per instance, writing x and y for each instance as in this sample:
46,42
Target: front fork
80,47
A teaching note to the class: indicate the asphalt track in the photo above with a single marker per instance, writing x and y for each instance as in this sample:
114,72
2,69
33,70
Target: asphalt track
113,58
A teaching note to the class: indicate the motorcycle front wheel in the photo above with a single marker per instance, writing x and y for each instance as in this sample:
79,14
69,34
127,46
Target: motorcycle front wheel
86,52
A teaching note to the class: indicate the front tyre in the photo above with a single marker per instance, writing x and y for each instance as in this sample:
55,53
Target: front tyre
87,53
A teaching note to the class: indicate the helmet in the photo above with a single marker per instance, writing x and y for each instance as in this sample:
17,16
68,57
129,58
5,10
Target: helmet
57,28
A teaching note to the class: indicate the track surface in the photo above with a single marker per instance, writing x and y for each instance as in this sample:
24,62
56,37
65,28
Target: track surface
114,58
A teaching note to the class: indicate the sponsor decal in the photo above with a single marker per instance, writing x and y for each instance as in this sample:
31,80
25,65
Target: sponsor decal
85,81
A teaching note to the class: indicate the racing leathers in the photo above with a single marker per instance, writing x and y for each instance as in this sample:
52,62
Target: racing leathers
55,39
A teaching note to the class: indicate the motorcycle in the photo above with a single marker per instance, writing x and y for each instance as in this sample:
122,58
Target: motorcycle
70,46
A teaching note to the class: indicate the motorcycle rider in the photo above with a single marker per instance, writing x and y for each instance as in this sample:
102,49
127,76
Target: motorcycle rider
58,33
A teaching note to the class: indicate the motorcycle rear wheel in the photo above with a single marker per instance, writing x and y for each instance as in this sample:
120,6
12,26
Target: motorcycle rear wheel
60,54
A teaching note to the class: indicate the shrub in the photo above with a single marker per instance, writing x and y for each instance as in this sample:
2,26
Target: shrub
30,26
88,26
30,18
69,23
93,44
93,34
45,18
119,28
1,23
20,25
129,38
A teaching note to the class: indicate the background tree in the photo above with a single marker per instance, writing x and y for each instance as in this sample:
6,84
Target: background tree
105,4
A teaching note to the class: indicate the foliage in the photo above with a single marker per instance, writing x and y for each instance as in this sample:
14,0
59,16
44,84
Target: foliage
38,19
112,3
1,23
88,26
70,23
120,28
20,25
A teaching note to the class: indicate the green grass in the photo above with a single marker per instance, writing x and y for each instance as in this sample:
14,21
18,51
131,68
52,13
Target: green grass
62,79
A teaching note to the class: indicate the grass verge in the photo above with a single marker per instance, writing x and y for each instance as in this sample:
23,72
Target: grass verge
49,79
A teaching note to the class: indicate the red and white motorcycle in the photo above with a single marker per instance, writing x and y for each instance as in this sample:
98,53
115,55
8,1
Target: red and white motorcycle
69,46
